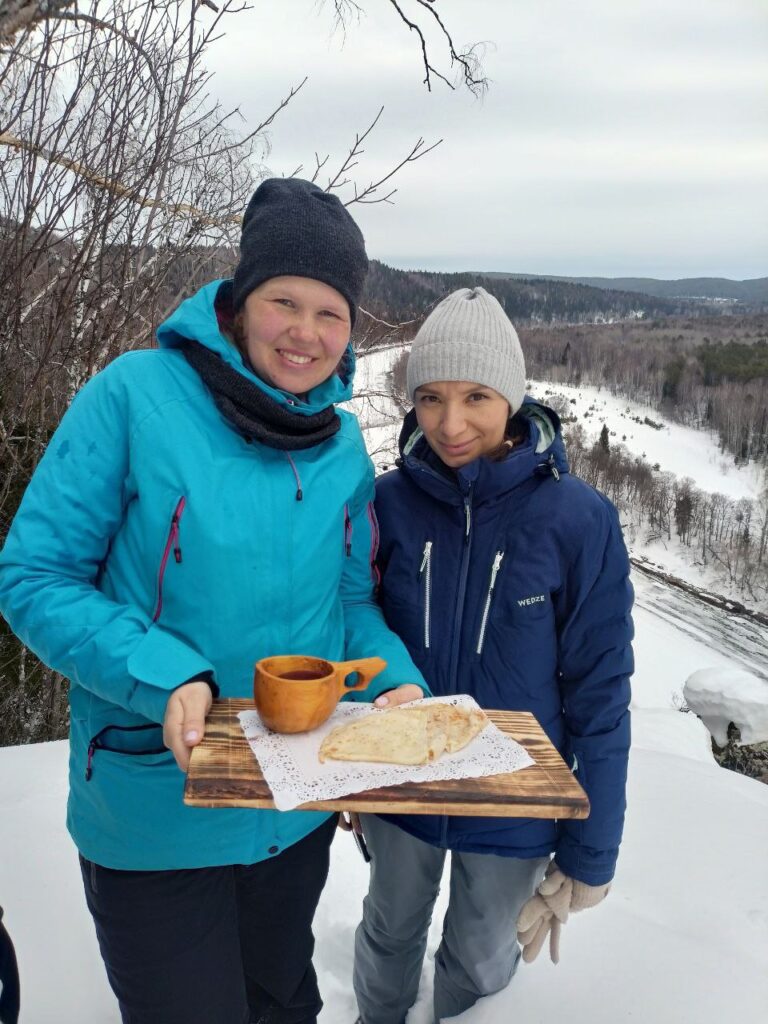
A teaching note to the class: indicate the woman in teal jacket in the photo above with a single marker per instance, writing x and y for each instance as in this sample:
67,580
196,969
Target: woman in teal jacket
203,505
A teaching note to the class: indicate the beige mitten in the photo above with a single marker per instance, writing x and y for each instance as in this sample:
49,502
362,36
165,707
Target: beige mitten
547,910
586,896
533,924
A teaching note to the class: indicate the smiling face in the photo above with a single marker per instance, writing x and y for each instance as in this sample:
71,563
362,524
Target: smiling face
295,331
461,421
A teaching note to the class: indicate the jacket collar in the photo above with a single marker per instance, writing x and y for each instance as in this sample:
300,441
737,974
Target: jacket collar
542,452
196,318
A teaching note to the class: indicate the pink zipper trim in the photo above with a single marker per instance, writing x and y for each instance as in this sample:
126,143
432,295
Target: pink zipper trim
375,574
347,531
172,544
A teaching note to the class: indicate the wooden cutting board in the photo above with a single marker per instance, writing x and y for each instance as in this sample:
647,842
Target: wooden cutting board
223,772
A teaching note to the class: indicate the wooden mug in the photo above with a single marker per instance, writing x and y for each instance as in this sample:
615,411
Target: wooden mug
296,693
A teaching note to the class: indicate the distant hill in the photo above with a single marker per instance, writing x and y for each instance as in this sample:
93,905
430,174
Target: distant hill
752,292
403,295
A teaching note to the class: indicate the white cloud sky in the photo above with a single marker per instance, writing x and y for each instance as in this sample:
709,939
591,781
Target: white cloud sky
617,138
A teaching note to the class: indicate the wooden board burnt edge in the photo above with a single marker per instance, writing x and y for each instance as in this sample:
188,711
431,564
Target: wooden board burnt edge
208,793
247,788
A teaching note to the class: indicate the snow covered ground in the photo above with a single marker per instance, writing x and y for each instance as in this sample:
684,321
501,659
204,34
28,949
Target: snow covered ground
681,939
674,448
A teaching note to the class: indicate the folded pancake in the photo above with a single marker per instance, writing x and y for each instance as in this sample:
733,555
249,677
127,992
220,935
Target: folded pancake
411,736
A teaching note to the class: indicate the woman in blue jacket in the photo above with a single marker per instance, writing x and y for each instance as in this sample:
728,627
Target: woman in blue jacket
508,580
203,505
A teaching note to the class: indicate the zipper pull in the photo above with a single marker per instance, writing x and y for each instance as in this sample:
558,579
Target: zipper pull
425,559
89,765
497,559
495,569
175,535
347,532
553,467
468,516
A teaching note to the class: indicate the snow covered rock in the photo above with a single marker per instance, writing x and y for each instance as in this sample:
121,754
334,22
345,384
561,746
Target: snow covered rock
724,695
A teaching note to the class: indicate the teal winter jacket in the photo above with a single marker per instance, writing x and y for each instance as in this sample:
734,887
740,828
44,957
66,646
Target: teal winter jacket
154,544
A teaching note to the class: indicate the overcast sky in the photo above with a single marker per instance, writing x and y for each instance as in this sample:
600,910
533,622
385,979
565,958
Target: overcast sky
618,137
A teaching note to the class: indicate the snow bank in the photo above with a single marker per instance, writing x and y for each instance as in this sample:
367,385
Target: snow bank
688,908
676,449
669,732
721,696
683,936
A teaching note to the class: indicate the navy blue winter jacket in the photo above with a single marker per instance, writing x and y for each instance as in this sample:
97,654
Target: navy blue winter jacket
510,581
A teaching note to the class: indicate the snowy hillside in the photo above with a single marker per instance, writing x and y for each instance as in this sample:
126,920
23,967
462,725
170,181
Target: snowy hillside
674,448
681,939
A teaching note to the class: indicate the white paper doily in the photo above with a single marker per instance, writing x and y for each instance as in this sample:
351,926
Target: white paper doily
296,776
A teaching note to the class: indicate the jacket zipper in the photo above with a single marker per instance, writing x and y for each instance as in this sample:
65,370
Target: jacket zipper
347,532
173,543
461,591
425,575
456,640
484,622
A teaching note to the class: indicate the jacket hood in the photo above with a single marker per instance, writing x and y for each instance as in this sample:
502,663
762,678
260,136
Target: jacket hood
195,318
542,453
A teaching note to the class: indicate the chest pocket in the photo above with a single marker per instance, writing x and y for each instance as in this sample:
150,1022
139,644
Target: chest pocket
516,653
523,616
407,597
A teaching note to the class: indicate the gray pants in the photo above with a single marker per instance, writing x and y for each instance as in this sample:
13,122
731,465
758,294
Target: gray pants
478,953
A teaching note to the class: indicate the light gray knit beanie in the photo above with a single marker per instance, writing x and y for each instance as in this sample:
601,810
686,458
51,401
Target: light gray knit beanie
468,336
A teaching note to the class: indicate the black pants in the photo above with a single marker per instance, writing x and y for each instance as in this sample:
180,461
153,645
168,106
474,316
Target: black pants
223,945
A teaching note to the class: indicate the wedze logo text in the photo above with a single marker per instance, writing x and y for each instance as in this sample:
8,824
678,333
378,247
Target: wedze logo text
536,599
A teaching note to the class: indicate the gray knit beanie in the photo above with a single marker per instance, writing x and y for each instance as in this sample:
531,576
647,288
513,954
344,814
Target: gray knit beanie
468,336
294,228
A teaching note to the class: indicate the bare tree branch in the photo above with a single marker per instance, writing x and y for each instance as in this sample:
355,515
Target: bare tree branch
116,187
468,61
397,327
115,30
18,14
281,106
368,194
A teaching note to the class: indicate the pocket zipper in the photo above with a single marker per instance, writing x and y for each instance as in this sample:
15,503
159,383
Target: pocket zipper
173,543
486,610
425,574
375,574
347,532
97,743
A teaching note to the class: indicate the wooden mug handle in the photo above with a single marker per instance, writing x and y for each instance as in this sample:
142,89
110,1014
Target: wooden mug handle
366,668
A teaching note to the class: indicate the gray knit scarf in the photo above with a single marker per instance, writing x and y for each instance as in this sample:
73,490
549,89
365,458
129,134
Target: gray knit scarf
251,411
